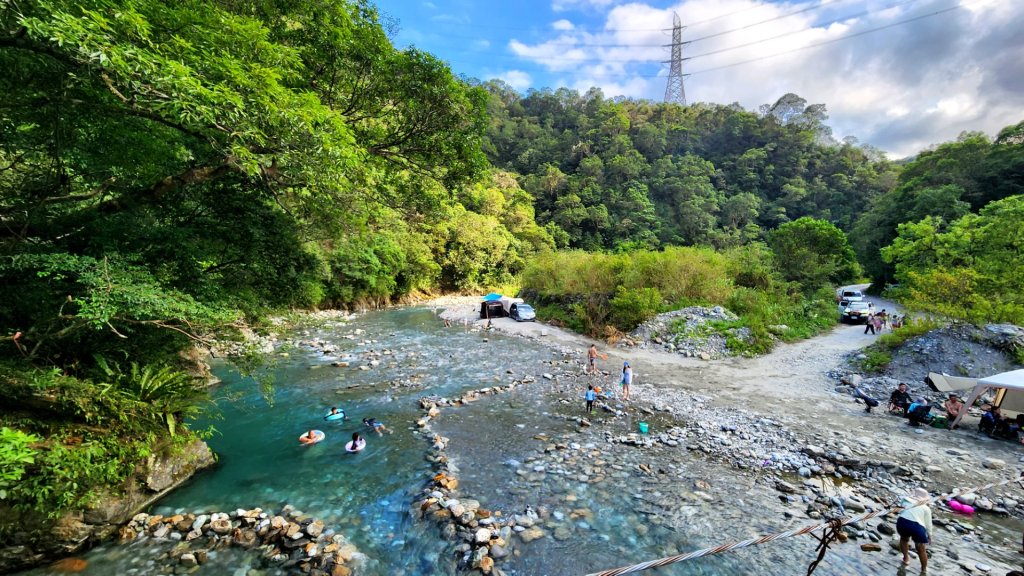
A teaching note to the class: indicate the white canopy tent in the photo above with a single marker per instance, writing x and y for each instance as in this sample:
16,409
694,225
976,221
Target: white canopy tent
1012,384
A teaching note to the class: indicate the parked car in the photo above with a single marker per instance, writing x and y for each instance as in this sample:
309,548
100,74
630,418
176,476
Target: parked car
522,313
850,295
857,312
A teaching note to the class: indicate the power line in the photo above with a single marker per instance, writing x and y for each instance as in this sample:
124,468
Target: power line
784,34
768,56
736,47
755,24
832,41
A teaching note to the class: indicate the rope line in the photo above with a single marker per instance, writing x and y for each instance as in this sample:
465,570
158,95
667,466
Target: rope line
835,524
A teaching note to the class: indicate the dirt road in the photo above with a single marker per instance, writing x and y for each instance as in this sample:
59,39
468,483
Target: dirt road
790,385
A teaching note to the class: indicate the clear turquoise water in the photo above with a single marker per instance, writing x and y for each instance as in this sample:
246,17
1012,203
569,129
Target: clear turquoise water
367,496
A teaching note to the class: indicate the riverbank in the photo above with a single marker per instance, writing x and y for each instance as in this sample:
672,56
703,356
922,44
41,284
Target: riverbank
782,414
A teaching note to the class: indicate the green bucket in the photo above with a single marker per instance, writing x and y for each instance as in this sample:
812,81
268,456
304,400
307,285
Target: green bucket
643,427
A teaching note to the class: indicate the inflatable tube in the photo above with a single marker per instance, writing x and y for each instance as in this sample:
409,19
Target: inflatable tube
338,416
353,447
960,507
317,437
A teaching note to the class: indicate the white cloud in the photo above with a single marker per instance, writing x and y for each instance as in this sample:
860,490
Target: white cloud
562,24
430,6
481,44
515,78
901,88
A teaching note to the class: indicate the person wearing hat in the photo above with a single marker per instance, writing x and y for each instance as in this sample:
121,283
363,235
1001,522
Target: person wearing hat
915,522
627,379
954,407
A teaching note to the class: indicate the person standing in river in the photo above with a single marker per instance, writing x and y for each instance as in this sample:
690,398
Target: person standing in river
915,522
590,396
627,380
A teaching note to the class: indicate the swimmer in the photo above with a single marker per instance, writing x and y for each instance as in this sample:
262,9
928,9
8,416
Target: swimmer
377,426
357,443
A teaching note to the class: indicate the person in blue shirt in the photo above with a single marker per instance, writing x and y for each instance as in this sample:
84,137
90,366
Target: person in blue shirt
590,396
627,379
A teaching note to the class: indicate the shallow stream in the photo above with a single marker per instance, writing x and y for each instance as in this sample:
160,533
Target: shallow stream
598,511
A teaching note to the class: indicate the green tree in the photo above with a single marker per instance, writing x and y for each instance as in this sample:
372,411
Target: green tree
813,253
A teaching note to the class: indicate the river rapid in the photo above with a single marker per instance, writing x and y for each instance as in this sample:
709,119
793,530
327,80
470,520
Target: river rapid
601,502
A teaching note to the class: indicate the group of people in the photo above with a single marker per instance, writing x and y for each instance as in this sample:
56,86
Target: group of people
881,320
592,393
919,411
357,443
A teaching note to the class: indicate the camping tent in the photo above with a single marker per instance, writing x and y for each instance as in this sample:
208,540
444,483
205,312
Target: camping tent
1012,384
493,296
947,383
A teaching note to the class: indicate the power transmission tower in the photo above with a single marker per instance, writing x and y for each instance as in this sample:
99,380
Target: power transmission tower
674,91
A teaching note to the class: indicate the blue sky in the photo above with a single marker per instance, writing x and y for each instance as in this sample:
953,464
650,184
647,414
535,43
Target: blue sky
898,74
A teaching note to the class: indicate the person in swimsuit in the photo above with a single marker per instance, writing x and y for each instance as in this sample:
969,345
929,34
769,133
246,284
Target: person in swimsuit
334,411
377,426
356,444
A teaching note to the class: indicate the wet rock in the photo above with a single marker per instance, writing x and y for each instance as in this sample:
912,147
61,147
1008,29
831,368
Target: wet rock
885,528
993,463
531,534
482,536
870,547
188,560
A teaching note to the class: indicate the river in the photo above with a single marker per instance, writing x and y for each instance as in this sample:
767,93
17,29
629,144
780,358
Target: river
599,510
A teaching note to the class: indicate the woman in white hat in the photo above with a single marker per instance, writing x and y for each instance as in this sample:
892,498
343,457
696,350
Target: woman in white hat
915,522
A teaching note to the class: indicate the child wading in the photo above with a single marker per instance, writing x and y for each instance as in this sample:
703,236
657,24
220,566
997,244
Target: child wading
590,396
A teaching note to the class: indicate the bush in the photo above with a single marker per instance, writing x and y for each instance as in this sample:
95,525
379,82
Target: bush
875,361
16,453
632,306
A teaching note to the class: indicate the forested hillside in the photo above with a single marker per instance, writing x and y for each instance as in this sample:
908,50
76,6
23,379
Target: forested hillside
619,173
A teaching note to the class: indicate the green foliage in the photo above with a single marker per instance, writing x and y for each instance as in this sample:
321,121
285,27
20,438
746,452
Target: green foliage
968,269
813,253
589,292
16,453
875,361
910,329
947,182
632,175
633,306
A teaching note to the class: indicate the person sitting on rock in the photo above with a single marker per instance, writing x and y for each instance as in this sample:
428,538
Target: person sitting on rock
900,399
989,420
918,413
954,407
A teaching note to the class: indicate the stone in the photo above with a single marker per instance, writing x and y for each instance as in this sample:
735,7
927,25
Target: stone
886,528
993,463
531,534
486,564
221,526
200,521
315,528
188,560
786,487
340,570
870,547
201,556
482,536
498,552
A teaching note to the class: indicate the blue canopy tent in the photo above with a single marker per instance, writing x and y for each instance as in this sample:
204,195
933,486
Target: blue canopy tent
491,306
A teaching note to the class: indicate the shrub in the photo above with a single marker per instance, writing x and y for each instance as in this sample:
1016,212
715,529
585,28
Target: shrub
16,453
632,306
875,361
